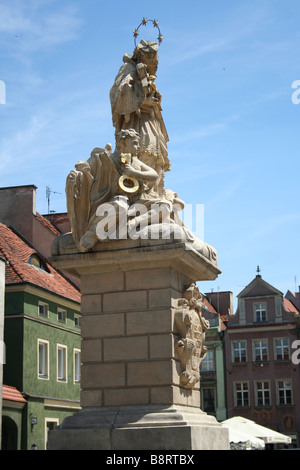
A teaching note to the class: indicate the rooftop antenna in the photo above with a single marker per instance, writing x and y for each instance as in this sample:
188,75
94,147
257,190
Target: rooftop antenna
48,193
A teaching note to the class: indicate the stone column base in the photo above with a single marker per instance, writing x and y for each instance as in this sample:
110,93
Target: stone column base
140,428
133,396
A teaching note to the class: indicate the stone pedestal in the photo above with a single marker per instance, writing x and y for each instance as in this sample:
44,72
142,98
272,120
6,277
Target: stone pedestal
131,393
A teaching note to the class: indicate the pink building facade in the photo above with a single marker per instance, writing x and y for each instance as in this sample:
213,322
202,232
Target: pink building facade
262,363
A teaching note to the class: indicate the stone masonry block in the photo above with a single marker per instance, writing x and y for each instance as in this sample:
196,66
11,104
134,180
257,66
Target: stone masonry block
149,373
162,346
91,398
127,396
97,283
162,298
126,349
176,395
99,376
91,303
124,301
91,350
100,326
157,321
148,279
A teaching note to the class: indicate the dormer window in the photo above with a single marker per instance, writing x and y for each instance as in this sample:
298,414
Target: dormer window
37,262
260,312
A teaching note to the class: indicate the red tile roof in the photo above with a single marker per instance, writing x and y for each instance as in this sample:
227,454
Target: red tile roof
209,306
17,253
11,393
289,307
211,309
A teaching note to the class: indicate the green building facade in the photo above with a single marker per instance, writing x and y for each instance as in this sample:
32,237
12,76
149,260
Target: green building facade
41,373
213,398
42,338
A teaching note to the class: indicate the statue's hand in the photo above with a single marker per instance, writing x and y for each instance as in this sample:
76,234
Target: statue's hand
129,170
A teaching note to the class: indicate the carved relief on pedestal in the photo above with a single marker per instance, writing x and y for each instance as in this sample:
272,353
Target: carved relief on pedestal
191,327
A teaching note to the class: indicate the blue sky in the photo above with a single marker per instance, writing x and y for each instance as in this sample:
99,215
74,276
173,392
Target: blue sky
225,74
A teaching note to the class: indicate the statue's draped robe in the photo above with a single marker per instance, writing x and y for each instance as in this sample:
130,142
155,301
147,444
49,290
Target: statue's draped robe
97,183
126,97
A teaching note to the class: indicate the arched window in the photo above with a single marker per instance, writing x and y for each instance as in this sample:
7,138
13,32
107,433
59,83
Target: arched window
37,262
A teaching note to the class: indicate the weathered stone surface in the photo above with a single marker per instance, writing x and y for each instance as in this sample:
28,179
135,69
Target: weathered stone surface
125,349
139,428
100,326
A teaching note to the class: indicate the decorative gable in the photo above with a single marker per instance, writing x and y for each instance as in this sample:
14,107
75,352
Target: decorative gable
259,288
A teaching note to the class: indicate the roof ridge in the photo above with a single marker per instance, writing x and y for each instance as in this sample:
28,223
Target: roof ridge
47,224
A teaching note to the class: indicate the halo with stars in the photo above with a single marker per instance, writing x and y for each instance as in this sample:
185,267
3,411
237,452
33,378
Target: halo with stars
143,23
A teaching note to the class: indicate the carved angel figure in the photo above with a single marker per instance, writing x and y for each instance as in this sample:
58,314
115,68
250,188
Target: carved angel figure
106,177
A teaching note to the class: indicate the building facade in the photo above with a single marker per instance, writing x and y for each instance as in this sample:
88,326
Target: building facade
41,328
213,399
263,382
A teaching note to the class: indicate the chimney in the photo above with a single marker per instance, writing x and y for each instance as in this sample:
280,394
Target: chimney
17,208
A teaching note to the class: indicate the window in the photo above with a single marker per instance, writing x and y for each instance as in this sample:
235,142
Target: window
260,312
241,394
208,363
239,353
263,396
37,262
281,349
208,400
284,392
61,315
77,363
77,320
61,363
43,359
260,350
43,309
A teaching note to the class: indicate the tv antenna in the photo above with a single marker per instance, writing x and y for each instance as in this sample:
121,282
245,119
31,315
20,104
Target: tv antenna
48,194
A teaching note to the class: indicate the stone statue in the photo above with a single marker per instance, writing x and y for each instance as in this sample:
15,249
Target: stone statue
136,104
119,179
129,247
120,194
191,327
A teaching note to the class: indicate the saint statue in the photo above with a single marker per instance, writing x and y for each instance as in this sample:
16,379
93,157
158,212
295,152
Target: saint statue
136,104
130,179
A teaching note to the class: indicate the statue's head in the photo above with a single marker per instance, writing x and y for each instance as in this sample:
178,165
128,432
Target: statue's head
128,141
147,53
